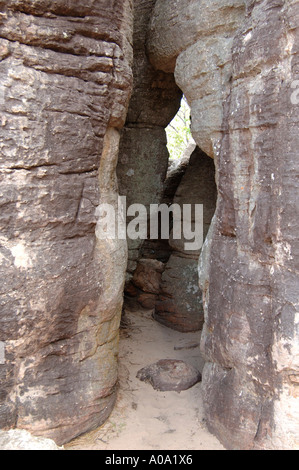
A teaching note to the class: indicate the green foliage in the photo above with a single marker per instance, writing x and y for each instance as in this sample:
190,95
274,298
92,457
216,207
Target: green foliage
179,132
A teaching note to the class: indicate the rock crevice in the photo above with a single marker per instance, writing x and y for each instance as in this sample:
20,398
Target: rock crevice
71,139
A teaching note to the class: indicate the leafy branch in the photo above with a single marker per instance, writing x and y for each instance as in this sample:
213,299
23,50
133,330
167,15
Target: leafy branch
179,132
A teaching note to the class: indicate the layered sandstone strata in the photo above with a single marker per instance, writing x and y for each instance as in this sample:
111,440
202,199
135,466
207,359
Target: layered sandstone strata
65,82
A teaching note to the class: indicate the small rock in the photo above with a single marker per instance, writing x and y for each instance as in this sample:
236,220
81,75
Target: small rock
170,375
22,440
148,275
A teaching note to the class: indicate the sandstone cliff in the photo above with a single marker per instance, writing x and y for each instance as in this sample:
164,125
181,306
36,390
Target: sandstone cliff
65,82
70,139
236,62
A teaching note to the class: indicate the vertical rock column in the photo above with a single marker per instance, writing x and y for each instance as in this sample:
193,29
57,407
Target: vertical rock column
143,157
65,82
251,290
240,74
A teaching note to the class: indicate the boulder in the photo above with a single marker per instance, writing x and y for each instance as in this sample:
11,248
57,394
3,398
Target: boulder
148,274
170,375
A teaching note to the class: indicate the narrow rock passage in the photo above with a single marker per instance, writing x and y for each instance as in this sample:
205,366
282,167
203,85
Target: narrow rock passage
146,419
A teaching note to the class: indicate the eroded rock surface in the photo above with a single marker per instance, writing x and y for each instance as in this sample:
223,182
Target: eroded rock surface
143,156
194,40
65,81
251,338
237,63
170,375
179,305
23,440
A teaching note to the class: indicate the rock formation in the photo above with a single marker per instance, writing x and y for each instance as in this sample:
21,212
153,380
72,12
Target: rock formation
236,62
179,305
170,375
146,283
67,71
250,337
143,156
194,40
23,440
65,82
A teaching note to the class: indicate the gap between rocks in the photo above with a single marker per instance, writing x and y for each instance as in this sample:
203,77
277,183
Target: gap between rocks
143,418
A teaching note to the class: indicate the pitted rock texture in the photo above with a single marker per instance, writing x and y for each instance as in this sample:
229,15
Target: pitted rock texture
243,115
65,81
170,375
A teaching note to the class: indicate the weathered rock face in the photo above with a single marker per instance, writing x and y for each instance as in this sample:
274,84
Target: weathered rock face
249,264
194,40
250,337
146,282
23,440
180,302
143,156
65,81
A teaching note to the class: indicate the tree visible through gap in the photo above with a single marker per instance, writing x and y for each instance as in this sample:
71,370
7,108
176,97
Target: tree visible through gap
179,131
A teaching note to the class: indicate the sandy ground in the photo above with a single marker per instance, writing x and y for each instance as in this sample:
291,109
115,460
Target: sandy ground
145,419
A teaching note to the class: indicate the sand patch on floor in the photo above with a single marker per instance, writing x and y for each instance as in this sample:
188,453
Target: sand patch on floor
145,419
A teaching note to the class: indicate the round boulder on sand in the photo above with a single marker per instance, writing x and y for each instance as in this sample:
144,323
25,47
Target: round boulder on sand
170,375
